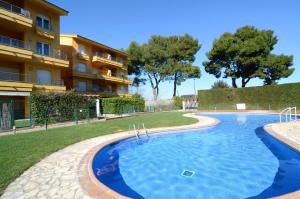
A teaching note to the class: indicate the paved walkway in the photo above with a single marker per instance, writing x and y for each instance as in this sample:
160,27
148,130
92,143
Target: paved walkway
56,176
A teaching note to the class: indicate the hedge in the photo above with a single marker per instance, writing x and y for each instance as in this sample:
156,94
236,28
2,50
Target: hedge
57,107
273,97
120,105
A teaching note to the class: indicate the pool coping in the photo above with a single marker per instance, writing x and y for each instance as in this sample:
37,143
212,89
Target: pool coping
94,188
274,133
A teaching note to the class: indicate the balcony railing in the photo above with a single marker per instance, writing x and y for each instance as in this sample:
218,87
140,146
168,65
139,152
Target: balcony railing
15,77
96,72
15,9
87,71
54,55
18,77
109,57
52,83
94,90
7,41
120,76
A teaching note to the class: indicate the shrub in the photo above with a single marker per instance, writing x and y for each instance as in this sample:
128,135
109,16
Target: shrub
177,102
57,107
120,105
220,84
273,97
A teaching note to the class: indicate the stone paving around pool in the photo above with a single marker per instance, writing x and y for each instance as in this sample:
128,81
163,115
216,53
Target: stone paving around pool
56,176
287,132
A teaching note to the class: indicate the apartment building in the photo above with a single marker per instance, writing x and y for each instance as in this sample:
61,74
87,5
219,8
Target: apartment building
30,57
95,69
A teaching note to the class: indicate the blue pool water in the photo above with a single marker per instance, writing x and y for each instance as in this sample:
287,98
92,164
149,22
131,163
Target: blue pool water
235,159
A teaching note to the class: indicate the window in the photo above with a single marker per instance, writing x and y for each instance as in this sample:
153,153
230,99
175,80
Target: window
96,88
81,67
44,77
121,60
109,88
122,90
82,49
81,86
43,22
43,48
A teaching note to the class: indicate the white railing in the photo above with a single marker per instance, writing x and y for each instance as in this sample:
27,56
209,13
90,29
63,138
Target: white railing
15,9
138,130
287,112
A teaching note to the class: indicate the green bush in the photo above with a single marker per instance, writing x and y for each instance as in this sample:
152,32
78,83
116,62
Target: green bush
274,97
120,105
57,107
178,102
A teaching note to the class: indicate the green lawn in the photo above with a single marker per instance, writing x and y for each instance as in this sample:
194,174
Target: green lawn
21,151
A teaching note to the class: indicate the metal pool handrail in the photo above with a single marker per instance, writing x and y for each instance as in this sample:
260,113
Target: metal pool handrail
288,114
295,112
137,130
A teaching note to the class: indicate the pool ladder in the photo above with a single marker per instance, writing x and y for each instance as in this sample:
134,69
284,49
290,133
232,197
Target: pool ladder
288,114
139,130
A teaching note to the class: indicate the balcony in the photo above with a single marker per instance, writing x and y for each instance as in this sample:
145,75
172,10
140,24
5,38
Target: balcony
15,14
14,48
102,59
18,77
117,78
52,59
47,33
21,82
88,73
53,86
96,74
15,82
95,91
83,56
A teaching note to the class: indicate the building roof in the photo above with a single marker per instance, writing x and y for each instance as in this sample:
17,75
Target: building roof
52,6
79,37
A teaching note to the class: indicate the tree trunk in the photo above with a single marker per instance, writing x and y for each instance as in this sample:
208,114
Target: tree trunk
233,80
175,85
245,81
154,94
154,86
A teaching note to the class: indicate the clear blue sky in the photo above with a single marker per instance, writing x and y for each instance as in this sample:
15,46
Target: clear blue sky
117,23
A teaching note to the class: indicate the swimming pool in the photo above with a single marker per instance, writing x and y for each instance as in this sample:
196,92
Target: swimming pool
235,159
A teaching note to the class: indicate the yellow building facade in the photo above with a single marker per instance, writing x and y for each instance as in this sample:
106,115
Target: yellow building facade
30,56
95,69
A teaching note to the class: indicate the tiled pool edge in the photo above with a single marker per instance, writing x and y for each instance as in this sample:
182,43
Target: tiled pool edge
273,132
95,189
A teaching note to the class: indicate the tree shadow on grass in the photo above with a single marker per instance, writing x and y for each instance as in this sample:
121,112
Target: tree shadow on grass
287,178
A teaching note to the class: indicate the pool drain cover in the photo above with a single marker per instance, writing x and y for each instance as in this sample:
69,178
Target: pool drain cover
187,173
